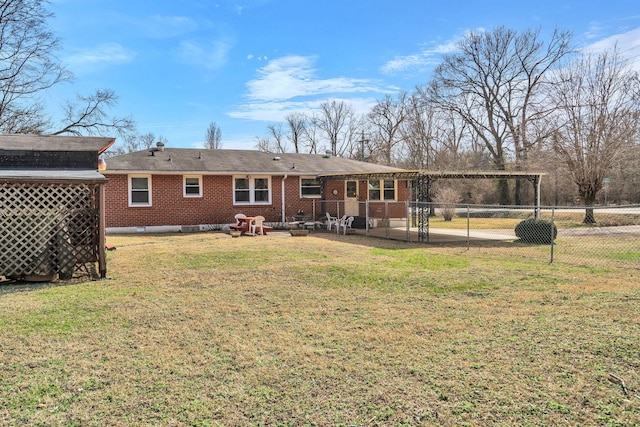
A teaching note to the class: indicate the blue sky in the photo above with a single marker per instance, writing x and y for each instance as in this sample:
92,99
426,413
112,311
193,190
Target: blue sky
179,65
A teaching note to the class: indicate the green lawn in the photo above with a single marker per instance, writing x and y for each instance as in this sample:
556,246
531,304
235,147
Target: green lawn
206,330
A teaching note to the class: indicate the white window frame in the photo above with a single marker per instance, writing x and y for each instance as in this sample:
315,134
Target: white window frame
382,189
185,186
252,190
133,204
310,196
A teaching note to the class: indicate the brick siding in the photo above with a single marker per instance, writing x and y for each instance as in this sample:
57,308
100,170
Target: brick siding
171,208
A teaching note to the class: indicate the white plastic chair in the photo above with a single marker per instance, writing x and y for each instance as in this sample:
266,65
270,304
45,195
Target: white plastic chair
339,222
257,224
331,220
344,224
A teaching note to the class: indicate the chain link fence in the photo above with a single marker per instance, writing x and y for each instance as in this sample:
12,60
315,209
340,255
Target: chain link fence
547,234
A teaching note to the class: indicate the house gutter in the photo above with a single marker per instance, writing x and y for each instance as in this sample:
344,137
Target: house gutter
284,218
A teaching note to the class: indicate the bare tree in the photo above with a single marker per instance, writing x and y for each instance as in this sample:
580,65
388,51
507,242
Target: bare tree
213,137
29,67
135,142
598,117
419,133
278,137
311,134
493,83
90,116
386,119
297,125
334,121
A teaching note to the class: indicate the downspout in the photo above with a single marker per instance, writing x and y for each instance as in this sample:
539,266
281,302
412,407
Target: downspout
284,218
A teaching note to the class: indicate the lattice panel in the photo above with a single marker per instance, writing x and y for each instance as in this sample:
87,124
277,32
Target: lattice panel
47,228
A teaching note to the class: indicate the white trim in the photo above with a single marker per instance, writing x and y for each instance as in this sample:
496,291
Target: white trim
252,190
184,186
129,191
315,196
381,189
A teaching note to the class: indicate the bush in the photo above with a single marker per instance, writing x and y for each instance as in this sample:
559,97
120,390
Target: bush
447,198
536,231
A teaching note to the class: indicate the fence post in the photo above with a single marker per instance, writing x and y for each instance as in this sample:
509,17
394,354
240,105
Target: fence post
553,225
468,231
366,217
386,214
407,222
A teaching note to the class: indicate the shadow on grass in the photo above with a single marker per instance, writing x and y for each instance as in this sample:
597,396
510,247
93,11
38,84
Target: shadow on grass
392,242
10,286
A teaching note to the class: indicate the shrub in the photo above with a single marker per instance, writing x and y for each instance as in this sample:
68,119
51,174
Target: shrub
536,231
447,198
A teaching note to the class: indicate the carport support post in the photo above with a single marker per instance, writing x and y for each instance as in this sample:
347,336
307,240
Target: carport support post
102,241
422,206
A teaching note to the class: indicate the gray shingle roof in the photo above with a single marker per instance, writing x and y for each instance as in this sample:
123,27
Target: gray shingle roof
227,162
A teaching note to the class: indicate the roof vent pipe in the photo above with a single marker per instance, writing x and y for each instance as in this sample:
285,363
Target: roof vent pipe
327,154
160,145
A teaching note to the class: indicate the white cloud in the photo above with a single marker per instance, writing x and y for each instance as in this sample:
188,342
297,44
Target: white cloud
103,54
291,84
210,56
295,76
160,27
425,59
627,44
277,111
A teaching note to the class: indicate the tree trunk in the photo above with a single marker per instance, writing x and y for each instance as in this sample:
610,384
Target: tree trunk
587,193
589,218
518,192
503,192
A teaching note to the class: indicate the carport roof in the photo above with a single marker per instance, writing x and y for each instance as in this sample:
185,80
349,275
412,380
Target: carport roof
434,175
51,176
30,142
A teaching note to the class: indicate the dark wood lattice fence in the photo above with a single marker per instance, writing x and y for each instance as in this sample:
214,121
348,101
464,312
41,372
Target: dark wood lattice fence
48,228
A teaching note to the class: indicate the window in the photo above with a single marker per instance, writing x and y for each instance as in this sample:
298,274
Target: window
192,186
389,189
249,190
310,187
261,190
382,190
241,190
352,189
140,190
374,190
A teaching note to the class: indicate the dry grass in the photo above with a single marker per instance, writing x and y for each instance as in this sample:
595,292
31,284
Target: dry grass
203,329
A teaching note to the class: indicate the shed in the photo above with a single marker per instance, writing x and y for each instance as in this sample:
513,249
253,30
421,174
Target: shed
51,206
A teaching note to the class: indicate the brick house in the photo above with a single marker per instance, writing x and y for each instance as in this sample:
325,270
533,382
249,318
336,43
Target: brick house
165,189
